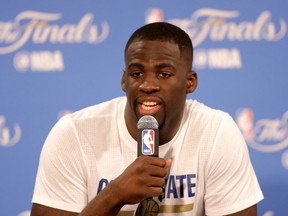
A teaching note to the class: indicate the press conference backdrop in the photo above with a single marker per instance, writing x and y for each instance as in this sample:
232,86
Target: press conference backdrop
60,56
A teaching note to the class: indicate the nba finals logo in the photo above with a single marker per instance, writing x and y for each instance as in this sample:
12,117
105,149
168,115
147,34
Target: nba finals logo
265,135
148,142
9,136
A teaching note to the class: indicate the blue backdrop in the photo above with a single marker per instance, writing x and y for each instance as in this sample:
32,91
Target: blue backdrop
60,56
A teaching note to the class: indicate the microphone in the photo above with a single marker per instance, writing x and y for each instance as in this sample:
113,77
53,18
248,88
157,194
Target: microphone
148,144
148,136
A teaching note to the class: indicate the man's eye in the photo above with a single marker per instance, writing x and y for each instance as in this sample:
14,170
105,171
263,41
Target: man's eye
136,74
165,75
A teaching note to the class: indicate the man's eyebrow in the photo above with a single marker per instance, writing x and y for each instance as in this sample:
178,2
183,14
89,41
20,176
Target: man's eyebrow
135,65
159,66
165,65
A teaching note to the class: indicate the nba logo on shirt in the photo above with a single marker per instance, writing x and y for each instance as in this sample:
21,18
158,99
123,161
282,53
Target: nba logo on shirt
148,142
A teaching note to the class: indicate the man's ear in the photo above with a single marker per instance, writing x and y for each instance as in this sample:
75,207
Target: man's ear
192,81
123,84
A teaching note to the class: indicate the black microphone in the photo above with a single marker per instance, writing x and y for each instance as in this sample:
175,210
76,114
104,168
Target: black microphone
148,136
148,144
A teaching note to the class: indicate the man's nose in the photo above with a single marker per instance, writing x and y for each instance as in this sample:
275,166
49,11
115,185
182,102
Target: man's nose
150,84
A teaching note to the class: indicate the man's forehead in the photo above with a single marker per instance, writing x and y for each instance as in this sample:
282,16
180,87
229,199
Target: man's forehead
155,46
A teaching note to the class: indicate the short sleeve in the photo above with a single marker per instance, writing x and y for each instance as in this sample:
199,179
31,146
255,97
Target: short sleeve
231,183
60,181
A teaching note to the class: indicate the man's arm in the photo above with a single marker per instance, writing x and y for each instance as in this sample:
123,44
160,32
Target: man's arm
143,178
105,203
38,210
102,205
42,210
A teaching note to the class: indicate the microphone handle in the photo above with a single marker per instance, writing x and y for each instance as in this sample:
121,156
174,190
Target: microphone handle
147,144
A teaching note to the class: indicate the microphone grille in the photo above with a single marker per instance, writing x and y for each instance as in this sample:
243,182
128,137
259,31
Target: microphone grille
147,122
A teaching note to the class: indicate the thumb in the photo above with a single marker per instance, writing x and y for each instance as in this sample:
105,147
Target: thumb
168,163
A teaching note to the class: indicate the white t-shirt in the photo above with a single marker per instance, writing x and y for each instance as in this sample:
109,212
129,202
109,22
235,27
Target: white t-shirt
211,173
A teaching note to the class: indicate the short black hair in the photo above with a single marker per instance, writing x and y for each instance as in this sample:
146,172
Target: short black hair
163,31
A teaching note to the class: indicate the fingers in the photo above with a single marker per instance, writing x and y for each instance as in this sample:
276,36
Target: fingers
156,161
152,186
144,178
152,160
158,182
153,166
152,171
168,163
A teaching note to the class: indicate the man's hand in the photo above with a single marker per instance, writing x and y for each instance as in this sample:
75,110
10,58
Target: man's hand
142,179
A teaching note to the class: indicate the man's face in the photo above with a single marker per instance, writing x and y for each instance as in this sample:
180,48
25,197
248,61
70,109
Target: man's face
156,80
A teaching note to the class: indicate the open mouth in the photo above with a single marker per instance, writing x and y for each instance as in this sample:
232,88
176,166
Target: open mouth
148,107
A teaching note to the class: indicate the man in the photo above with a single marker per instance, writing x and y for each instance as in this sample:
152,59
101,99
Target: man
88,164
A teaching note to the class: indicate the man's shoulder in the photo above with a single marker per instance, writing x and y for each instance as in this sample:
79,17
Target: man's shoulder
106,108
198,108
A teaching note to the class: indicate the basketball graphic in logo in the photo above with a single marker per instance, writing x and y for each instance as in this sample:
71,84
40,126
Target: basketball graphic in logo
147,207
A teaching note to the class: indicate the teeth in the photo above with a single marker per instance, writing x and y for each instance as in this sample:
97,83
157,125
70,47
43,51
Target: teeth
148,105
